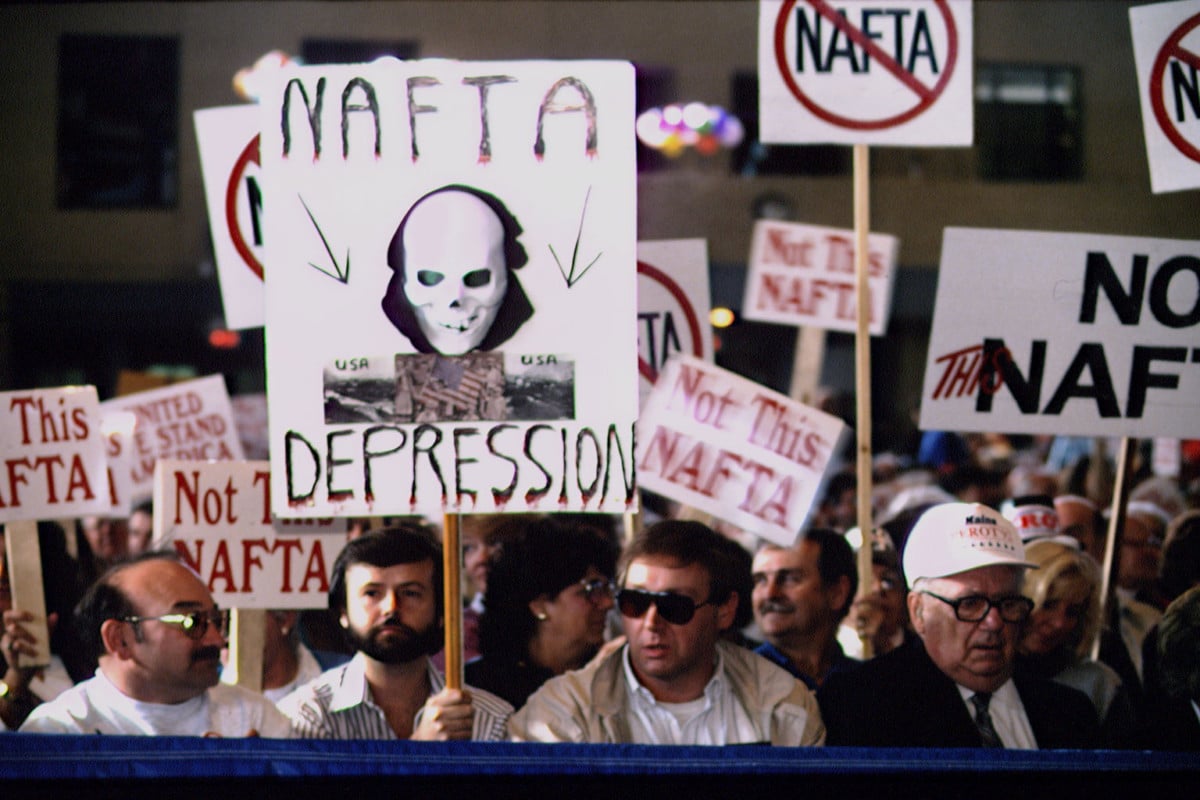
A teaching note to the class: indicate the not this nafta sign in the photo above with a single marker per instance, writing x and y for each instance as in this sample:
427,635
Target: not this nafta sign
1065,333
883,72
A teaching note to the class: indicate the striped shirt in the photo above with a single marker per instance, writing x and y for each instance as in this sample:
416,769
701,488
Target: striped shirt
338,705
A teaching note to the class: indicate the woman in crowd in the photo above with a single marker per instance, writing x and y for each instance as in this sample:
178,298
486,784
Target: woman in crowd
1056,640
546,607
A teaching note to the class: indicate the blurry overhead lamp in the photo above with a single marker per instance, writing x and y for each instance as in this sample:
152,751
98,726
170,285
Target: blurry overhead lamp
674,128
721,317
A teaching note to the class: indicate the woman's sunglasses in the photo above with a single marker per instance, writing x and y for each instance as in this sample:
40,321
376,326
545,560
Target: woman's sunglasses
676,609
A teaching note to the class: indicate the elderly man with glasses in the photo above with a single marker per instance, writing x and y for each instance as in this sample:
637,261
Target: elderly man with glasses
675,680
158,636
955,686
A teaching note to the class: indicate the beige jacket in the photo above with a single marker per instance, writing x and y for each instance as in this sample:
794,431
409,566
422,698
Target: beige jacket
589,704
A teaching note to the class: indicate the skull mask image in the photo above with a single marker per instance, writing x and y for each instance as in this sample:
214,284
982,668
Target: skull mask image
453,278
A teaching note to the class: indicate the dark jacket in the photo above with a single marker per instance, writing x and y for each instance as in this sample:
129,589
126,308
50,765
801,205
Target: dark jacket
902,699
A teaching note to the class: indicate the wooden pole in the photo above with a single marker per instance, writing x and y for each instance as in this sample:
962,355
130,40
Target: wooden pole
247,635
806,364
1112,544
452,600
862,372
25,578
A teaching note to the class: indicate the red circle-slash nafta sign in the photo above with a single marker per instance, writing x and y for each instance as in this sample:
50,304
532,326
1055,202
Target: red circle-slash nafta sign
1173,49
885,71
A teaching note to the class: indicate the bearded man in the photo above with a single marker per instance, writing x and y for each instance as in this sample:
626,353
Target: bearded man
454,289
386,590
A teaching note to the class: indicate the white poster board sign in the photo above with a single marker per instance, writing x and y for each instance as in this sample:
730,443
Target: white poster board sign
674,305
729,447
1166,49
803,275
228,141
217,516
896,72
51,454
481,358
1065,333
191,421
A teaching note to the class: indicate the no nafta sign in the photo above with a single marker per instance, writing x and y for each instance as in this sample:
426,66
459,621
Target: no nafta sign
1166,46
865,73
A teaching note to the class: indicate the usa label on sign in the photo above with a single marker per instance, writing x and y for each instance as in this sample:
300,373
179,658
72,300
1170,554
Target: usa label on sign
1166,48
865,72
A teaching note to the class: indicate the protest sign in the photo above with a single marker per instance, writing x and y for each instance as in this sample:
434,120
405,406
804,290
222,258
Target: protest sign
1065,333
227,138
1166,49
729,447
840,72
217,517
673,305
118,427
482,359
52,454
190,421
803,275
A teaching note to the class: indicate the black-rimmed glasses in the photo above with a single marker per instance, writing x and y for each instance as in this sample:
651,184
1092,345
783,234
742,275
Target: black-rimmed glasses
676,609
193,624
597,590
974,607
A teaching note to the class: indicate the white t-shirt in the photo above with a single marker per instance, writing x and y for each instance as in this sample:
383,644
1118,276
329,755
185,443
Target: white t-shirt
97,706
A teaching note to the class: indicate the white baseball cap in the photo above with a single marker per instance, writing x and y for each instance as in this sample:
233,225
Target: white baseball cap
955,537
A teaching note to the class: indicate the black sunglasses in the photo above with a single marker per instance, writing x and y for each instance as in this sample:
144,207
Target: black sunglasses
674,608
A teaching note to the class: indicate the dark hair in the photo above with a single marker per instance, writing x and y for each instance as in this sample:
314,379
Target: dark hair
515,308
551,556
104,600
689,542
836,558
838,484
1179,646
1180,567
386,547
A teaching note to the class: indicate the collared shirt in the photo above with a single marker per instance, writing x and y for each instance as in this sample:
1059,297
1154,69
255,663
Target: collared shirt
839,662
338,705
1008,716
715,718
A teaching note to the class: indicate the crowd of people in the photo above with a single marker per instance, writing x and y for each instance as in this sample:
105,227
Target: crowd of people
986,622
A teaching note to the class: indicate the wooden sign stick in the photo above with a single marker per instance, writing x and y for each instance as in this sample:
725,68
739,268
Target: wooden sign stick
452,600
806,365
1112,544
25,577
862,372
247,636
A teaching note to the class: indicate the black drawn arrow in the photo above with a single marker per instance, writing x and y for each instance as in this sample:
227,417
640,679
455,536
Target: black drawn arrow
337,274
571,277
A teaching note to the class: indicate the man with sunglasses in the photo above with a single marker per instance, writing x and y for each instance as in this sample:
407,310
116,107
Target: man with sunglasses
954,686
676,679
158,636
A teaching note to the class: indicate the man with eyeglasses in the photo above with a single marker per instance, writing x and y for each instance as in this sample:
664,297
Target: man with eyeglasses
954,686
675,680
158,636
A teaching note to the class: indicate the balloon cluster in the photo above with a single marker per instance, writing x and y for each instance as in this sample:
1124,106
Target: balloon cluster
248,80
675,128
